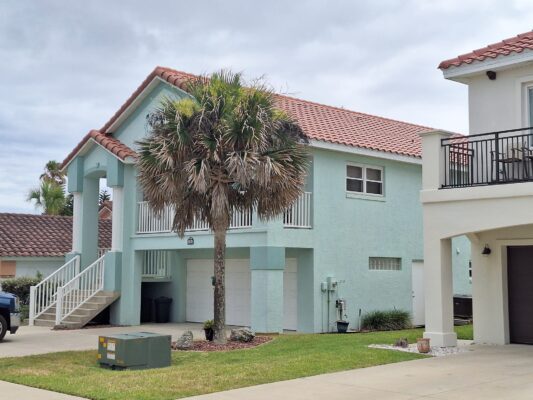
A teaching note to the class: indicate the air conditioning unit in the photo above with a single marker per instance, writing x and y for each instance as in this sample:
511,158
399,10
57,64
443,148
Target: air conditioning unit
140,350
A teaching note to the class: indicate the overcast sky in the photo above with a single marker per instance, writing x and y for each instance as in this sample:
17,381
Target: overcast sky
66,66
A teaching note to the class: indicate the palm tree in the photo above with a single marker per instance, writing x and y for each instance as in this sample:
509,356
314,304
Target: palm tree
53,173
50,196
225,149
103,197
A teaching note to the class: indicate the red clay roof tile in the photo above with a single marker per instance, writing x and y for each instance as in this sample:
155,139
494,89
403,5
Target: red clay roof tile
29,235
318,121
506,47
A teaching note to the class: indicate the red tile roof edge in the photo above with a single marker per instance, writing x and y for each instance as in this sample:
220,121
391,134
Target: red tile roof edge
108,142
499,49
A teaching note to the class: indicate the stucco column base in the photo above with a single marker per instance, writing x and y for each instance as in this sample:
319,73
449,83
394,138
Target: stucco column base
441,339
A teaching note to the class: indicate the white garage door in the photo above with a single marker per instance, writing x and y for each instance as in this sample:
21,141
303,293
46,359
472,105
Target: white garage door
238,291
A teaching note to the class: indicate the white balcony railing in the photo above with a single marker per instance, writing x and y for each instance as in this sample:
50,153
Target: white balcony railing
299,214
149,222
156,264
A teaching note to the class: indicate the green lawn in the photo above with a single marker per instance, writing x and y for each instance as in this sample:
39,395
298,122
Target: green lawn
192,373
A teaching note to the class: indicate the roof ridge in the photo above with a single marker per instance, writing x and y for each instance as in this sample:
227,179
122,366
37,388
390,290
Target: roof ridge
354,112
3,214
311,101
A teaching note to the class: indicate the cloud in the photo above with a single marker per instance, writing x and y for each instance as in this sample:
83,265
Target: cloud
66,66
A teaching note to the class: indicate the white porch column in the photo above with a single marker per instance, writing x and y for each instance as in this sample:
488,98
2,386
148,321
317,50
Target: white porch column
117,218
438,288
77,222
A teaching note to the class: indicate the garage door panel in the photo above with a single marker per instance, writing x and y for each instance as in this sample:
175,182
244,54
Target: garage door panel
520,293
199,295
200,291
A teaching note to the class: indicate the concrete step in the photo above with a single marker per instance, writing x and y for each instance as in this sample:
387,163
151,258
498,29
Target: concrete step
44,322
87,311
47,316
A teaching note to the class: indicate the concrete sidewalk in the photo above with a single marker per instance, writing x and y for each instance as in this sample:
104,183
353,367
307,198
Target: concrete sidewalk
30,340
19,392
499,372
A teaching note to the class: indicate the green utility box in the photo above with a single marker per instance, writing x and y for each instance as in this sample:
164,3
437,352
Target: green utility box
140,350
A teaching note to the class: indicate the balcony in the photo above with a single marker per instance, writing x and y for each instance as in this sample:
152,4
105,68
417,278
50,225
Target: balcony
487,159
148,222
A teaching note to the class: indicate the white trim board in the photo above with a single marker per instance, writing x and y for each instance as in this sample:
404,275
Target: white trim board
502,62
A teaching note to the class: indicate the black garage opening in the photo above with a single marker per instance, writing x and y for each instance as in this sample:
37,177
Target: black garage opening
520,289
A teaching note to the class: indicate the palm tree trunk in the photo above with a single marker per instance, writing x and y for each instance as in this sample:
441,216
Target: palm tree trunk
219,320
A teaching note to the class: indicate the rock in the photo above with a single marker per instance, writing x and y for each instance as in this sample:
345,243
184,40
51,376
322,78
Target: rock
241,335
184,342
404,343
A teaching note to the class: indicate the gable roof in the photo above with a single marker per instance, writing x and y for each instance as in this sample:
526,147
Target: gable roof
30,235
504,48
319,122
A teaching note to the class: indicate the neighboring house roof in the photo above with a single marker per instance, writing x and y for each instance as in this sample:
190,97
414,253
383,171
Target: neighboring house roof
318,121
105,211
29,235
506,47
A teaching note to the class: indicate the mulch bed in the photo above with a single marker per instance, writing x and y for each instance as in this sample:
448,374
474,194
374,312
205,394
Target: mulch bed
204,345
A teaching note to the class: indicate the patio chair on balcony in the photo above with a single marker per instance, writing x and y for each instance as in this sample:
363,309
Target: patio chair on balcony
527,160
505,163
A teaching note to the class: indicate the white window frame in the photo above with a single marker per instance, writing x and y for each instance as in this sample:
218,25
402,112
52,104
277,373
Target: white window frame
365,180
385,264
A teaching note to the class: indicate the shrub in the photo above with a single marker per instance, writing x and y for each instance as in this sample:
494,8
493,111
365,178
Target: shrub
20,287
388,320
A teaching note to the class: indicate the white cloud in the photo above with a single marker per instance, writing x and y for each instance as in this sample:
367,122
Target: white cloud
65,67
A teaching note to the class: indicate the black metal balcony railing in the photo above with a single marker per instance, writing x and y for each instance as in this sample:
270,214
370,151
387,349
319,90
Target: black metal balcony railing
488,158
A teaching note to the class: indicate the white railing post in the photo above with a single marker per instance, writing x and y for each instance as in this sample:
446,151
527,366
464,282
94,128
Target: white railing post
32,305
59,304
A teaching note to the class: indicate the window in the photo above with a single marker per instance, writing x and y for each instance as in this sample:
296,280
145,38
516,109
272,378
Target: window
364,179
385,264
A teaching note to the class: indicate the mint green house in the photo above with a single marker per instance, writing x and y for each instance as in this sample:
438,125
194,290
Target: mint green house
355,234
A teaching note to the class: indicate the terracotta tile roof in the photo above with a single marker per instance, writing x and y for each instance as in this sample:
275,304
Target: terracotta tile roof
506,47
319,122
108,142
351,128
29,235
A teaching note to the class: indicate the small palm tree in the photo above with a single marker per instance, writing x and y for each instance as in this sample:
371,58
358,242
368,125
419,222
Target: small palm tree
50,196
225,149
103,197
53,173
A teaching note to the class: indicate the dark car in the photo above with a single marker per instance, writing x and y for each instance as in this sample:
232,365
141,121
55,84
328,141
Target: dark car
9,313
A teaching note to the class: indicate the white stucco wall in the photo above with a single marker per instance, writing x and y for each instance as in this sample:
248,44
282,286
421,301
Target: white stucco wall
30,266
499,104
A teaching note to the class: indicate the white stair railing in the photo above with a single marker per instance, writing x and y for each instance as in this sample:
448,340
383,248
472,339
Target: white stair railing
44,295
80,289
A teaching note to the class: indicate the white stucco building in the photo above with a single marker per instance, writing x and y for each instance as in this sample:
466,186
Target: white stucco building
482,186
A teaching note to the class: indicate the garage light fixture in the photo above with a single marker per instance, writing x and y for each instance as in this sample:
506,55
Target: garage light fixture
486,250
190,241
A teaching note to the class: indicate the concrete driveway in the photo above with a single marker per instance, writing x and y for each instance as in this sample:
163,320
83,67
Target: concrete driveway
39,340
487,372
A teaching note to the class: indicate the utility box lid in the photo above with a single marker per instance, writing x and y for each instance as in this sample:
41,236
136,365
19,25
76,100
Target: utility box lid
138,350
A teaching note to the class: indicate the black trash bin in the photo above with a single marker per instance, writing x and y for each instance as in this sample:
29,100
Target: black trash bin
162,309
147,305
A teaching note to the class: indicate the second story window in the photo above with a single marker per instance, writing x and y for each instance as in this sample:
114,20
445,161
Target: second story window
364,179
